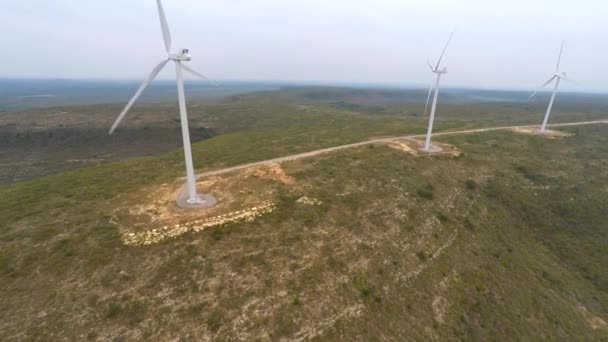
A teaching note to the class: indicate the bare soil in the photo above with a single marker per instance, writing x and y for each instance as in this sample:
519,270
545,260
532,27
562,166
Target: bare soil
412,146
551,134
242,196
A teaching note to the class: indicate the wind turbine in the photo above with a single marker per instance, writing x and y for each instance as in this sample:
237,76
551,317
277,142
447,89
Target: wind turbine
557,77
179,58
439,72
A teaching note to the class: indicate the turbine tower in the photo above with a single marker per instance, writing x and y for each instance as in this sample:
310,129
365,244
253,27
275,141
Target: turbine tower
179,59
557,77
435,86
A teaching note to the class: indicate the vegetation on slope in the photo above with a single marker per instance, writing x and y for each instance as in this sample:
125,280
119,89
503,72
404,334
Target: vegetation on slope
506,242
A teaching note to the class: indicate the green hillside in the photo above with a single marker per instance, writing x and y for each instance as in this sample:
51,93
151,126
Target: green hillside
506,242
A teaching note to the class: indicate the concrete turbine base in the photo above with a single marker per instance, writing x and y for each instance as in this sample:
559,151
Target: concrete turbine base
203,201
431,149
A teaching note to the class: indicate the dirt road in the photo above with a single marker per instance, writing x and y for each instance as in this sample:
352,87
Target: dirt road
383,140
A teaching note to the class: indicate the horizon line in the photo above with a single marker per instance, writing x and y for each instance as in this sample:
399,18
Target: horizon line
307,83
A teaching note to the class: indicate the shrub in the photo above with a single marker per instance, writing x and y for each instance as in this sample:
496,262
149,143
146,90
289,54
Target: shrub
421,255
216,234
471,184
426,191
443,217
114,309
197,308
296,301
362,284
214,321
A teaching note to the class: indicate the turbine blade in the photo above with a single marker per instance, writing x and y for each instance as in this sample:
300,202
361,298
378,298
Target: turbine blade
559,58
138,93
541,87
444,49
430,65
428,98
196,73
164,26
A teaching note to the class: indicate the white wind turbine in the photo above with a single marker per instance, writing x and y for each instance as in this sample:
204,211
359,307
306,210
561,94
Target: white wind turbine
557,77
436,70
179,59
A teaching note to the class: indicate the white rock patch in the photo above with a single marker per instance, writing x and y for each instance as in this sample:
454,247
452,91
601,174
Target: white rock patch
308,201
159,234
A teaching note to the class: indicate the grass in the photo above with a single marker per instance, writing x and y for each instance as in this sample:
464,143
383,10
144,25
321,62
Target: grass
516,238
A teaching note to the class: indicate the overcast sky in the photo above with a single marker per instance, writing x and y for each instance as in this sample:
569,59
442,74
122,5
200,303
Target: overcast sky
498,44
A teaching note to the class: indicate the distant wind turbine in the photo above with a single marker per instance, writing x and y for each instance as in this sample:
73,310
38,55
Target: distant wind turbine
435,70
179,59
557,77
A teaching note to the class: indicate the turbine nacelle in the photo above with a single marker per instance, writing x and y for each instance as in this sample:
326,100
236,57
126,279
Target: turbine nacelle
441,71
182,56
